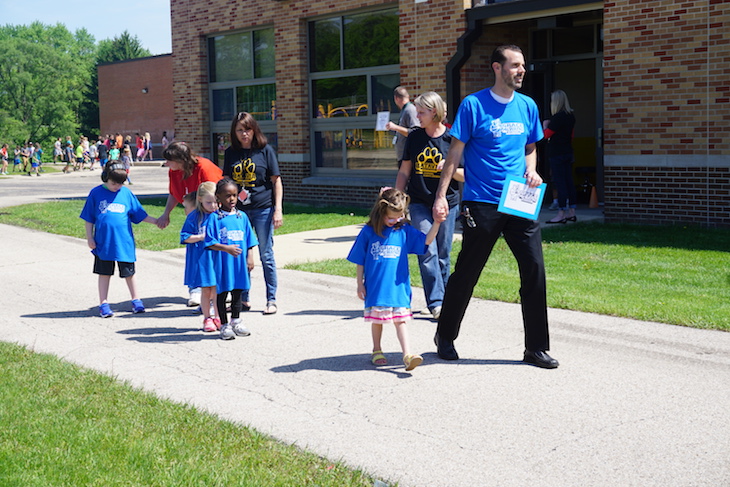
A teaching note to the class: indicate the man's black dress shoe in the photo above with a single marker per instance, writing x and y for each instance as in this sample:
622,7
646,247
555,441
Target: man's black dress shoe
445,349
540,359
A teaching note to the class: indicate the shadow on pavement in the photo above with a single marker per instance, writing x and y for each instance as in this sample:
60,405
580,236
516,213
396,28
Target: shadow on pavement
358,362
349,238
155,308
168,335
346,314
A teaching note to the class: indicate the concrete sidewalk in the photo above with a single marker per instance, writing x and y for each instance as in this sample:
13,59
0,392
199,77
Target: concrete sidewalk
632,404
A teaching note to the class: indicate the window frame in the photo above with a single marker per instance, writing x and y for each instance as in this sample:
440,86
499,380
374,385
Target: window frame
224,126
344,124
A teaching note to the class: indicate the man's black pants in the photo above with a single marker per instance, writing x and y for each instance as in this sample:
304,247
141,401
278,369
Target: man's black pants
525,241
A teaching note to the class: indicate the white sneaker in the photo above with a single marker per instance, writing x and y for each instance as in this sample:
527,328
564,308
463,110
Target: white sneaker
239,329
436,313
227,332
194,299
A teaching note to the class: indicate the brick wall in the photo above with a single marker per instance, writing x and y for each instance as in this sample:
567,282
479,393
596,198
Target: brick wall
667,111
429,40
125,109
670,196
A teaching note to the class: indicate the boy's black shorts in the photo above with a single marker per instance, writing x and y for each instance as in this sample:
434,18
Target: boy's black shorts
106,267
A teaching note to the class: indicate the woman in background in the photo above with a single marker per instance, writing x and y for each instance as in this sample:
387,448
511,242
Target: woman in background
559,132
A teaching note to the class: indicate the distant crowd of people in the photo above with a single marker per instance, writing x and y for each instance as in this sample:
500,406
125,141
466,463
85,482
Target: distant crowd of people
27,158
81,155
107,148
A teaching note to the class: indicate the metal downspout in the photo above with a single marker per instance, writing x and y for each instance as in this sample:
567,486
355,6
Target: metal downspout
453,67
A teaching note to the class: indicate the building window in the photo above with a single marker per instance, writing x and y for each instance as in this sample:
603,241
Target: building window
354,67
242,56
241,79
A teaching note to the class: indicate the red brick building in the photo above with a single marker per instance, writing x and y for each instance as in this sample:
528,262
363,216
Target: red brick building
136,96
649,82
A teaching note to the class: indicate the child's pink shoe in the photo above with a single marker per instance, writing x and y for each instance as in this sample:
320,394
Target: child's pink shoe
209,325
217,322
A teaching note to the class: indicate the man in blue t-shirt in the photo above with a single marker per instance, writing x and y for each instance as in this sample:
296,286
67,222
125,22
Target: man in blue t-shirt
495,130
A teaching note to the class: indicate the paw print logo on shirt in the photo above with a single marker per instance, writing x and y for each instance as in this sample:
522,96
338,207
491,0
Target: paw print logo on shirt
428,162
249,173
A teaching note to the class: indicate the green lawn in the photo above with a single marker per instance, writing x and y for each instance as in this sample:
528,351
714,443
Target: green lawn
677,275
62,218
63,425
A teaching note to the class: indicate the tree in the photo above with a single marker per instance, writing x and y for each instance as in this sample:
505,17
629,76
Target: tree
113,50
120,48
48,80
43,71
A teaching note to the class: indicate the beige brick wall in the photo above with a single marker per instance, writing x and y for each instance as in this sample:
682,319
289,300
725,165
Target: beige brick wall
667,103
667,77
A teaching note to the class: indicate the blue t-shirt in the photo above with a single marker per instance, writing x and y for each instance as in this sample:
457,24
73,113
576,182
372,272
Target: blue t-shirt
385,261
495,135
112,214
201,264
232,228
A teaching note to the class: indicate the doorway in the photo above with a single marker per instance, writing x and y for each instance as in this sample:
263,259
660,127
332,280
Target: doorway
568,55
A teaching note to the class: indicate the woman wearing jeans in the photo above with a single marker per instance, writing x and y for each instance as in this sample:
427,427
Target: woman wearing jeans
423,156
252,163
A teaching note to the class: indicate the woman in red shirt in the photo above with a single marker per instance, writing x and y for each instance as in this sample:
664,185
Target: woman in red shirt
187,171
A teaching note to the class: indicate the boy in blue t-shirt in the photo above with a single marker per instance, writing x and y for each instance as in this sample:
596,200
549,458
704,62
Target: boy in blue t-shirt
109,212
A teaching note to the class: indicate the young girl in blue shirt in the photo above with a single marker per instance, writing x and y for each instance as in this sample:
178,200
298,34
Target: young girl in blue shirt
383,279
200,261
229,231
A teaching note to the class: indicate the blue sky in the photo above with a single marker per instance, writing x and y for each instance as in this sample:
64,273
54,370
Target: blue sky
149,20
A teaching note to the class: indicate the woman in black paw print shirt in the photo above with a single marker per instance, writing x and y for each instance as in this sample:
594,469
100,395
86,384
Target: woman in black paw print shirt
419,175
252,163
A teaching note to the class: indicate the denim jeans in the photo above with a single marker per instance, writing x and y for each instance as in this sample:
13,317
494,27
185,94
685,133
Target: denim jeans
435,264
262,221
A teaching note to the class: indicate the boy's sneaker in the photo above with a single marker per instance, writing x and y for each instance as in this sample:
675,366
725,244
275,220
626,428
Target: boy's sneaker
239,329
194,299
137,306
227,332
209,325
105,311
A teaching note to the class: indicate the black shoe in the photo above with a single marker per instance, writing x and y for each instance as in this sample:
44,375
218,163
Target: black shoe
445,348
540,359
